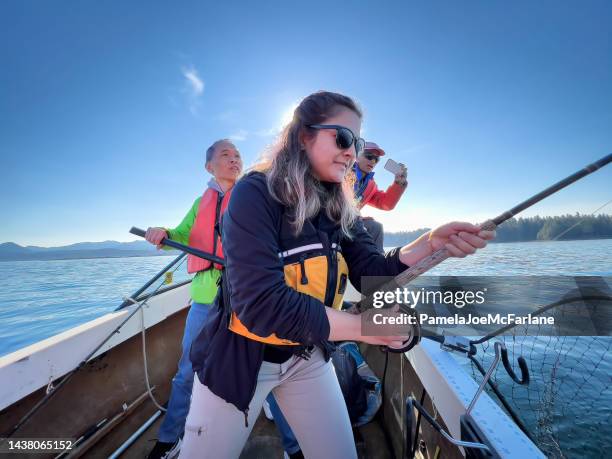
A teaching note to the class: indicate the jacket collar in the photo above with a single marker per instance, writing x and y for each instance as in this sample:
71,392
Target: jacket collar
212,183
362,175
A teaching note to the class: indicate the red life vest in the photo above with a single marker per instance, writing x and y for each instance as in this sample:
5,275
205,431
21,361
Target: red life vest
202,235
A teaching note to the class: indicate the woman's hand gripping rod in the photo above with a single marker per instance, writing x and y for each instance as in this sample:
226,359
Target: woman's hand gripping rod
424,265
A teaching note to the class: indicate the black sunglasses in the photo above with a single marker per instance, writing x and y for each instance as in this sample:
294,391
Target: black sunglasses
371,157
344,137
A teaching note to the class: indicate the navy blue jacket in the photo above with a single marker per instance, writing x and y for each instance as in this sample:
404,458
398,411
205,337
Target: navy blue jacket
228,363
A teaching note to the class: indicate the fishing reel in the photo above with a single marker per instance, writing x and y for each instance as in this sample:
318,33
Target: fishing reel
414,335
413,329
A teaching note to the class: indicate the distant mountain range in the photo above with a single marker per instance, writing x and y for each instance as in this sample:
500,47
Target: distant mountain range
10,251
563,227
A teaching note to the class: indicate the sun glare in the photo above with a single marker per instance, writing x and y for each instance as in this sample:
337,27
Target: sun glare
287,115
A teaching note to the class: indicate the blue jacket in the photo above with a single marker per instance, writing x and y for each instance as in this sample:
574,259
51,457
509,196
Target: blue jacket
361,182
254,225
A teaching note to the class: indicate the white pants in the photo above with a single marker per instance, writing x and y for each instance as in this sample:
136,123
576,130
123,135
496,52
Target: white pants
309,396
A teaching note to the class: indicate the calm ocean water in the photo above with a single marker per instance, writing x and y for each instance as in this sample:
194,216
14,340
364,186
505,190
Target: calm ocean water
41,298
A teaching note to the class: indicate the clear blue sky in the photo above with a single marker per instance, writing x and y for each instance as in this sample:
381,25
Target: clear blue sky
106,108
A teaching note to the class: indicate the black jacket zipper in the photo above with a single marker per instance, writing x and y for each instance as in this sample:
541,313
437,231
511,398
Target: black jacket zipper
303,278
332,272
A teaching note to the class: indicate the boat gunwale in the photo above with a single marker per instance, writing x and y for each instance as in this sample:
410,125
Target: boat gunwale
39,364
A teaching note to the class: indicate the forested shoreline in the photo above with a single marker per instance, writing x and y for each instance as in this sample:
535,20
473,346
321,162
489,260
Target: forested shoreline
562,228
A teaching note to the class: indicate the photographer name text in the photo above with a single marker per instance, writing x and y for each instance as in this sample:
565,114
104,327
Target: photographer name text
456,319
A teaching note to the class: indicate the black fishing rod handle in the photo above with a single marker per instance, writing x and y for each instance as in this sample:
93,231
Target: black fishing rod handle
185,248
137,231
142,233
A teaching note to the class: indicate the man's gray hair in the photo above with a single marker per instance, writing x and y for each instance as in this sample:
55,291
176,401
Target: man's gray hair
211,150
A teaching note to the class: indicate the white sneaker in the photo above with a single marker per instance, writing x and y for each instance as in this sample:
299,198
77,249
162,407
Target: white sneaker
267,412
175,450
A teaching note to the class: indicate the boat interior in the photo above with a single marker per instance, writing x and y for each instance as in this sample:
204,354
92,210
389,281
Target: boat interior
105,406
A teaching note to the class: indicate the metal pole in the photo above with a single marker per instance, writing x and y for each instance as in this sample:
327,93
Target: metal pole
150,282
183,247
135,436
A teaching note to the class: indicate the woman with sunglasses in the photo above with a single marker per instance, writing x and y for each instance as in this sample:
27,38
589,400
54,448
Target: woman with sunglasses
292,238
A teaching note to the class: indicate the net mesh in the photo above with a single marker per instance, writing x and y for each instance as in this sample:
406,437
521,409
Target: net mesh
566,405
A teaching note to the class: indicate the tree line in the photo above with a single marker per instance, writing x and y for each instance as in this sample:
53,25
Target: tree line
563,228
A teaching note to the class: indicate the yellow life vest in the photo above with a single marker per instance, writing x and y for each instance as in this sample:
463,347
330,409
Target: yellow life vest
312,275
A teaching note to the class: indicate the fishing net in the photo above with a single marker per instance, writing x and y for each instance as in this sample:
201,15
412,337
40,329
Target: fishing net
565,408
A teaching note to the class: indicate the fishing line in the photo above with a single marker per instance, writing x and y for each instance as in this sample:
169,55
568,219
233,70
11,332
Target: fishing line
144,361
144,348
581,221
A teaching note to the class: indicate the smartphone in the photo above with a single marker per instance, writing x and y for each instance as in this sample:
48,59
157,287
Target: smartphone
393,167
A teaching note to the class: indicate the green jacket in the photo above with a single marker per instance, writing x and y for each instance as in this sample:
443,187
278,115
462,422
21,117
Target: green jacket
204,283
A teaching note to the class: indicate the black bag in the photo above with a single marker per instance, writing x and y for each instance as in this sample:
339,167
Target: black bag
361,389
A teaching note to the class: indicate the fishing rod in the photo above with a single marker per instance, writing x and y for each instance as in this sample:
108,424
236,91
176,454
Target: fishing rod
131,300
407,276
185,248
128,301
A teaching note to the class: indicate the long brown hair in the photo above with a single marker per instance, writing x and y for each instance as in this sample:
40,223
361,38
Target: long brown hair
289,171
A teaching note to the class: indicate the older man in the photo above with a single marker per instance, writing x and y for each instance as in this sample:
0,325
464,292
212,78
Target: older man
198,229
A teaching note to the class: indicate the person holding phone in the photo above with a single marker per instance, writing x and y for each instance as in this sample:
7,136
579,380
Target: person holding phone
367,193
